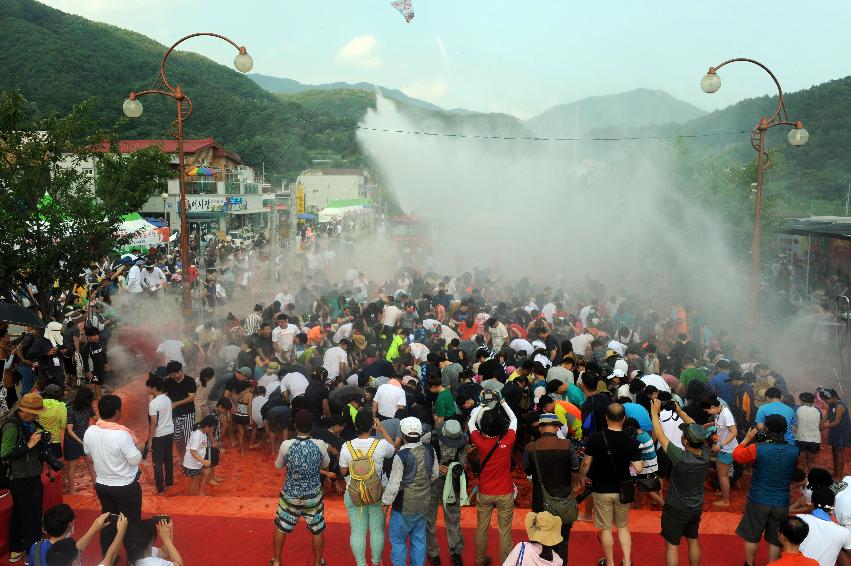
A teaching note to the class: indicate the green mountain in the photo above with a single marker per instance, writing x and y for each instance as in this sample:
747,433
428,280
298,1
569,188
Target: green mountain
57,60
278,85
638,107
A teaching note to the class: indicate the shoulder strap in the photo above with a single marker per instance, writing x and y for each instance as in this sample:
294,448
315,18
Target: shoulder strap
489,454
37,554
520,555
540,476
372,448
609,451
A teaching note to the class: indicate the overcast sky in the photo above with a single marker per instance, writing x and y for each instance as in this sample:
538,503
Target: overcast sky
520,57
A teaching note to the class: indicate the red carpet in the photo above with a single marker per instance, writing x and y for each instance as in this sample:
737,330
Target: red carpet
220,540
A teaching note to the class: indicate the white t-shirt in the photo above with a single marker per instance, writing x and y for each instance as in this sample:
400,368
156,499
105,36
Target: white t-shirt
519,344
294,383
807,429
671,425
171,350
419,352
116,459
198,442
389,398
842,505
723,420
383,451
581,343
547,311
584,312
391,315
283,337
269,381
343,331
134,280
617,347
825,540
160,406
256,405
153,561
332,360
656,381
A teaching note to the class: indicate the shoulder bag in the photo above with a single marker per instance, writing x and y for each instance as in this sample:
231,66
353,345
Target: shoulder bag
626,488
564,507
481,466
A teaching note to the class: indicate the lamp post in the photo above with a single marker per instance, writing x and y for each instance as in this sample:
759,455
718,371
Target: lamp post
798,136
133,109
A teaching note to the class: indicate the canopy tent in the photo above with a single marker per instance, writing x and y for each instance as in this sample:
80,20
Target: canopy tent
339,209
143,233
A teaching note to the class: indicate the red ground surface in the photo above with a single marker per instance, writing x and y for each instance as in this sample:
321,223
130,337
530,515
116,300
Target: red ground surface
234,524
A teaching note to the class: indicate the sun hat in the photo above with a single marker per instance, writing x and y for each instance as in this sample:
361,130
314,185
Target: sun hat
543,527
53,332
31,403
694,433
549,419
451,435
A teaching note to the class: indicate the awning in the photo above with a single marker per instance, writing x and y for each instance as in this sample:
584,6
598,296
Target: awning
834,227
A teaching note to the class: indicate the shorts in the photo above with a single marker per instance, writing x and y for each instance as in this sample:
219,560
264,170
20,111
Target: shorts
73,450
290,509
279,418
183,426
808,447
192,472
725,458
679,523
214,457
241,420
609,510
758,519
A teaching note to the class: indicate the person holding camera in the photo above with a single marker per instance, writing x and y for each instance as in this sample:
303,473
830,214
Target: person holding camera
115,454
20,451
774,461
684,501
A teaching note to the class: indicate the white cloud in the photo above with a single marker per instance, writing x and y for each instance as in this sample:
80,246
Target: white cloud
426,90
361,51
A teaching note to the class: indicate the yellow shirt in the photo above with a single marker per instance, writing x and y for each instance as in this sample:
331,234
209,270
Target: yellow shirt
54,418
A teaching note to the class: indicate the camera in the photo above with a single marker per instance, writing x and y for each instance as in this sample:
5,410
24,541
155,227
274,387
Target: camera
45,453
669,405
760,437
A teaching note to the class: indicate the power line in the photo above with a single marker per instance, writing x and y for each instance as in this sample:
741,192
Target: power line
536,139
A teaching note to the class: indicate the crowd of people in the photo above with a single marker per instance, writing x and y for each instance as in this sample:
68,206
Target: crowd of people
428,393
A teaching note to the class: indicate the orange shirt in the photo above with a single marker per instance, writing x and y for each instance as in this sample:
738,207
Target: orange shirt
315,335
794,559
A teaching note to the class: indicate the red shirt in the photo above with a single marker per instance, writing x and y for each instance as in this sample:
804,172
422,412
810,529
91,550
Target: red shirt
495,478
794,559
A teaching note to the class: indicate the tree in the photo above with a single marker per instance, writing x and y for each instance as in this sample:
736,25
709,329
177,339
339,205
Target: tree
56,220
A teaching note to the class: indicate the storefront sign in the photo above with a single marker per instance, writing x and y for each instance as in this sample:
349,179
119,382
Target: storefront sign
299,199
236,203
206,204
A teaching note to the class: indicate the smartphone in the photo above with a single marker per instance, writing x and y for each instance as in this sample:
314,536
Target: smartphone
113,518
158,518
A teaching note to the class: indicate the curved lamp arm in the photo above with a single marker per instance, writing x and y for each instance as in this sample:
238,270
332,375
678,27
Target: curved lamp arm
240,48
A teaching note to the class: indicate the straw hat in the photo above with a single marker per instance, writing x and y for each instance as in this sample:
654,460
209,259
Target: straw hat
544,527
31,403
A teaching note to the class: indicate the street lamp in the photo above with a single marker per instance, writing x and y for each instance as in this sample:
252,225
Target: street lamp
165,209
798,136
132,108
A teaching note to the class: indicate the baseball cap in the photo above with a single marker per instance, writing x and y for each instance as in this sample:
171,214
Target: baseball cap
548,419
776,423
411,426
694,433
245,370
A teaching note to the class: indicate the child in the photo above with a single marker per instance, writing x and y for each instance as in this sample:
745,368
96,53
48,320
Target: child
725,425
808,433
196,461
242,414
222,417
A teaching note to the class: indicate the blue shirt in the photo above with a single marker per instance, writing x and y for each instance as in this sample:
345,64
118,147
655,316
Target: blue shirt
640,414
772,472
43,545
722,388
778,408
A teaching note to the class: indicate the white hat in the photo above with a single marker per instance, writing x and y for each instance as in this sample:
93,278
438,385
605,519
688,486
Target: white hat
411,426
618,373
53,332
622,365
539,344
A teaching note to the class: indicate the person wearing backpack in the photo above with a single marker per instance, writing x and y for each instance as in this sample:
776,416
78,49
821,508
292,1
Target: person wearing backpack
408,491
450,443
361,462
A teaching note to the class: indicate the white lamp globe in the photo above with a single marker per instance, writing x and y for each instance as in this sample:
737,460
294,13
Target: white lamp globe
132,108
243,62
798,136
710,83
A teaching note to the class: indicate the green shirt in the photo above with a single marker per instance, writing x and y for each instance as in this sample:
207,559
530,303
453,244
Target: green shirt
444,404
692,374
575,395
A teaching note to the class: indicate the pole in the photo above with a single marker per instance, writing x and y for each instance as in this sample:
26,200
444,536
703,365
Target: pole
847,199
809,256
184,236
757,224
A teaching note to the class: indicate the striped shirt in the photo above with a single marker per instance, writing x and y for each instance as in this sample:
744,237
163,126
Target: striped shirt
648,453
252,323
